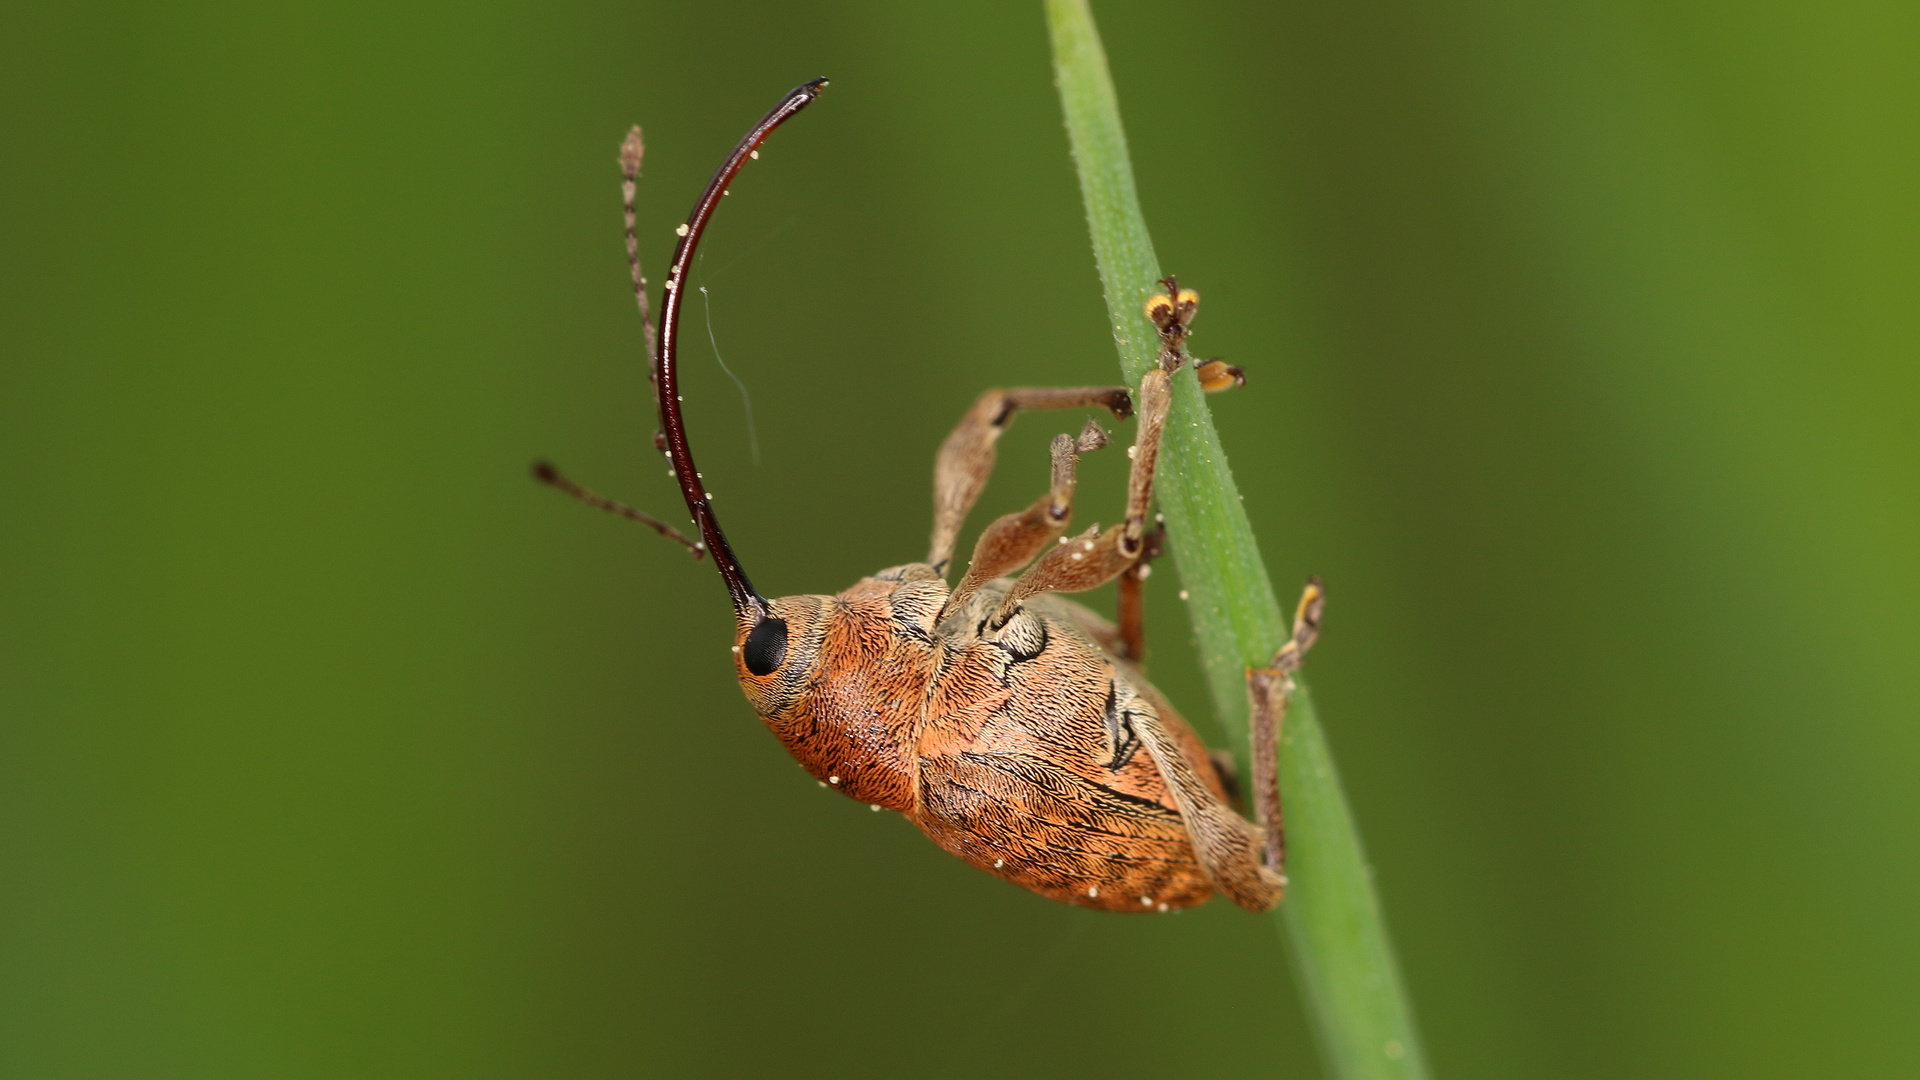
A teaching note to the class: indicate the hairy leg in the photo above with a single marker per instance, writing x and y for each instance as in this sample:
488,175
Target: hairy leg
966,459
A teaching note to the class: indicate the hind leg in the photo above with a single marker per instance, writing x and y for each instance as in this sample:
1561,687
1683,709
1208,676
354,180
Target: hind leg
1268,689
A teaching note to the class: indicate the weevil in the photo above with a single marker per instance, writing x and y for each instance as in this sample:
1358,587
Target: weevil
1010,725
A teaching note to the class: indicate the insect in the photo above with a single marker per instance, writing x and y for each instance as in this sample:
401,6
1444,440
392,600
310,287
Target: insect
1012,726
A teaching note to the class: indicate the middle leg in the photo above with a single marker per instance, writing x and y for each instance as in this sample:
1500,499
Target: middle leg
1130,604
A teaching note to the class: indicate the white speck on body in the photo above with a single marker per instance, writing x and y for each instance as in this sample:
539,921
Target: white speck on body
754,154
1146,901
681,230
1160,517
1130,452
1183,594
1077,556
1163,906
1063,539
821,784
875,807
1145,570
998,863
736,648
833,779
1093,891
707,495
1089,545
673,283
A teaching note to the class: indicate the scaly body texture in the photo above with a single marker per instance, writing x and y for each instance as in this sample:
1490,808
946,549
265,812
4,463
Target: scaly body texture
1018,751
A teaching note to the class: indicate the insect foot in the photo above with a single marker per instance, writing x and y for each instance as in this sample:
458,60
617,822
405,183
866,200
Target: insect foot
1171,313
1217,375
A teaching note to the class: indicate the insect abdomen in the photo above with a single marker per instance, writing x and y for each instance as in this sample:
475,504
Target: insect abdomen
1026,820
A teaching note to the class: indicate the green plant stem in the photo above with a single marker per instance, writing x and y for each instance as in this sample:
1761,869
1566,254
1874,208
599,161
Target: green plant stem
1331,915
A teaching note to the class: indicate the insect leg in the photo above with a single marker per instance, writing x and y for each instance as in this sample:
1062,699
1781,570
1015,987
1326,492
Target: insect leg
1013,540
1227,845
1089,561
1268,690
1132,599
966,459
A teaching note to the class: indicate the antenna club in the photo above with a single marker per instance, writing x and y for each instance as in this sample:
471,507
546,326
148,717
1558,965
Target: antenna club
631,153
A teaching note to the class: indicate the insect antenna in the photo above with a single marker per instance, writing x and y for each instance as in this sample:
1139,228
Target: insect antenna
631,153
545,472
666,378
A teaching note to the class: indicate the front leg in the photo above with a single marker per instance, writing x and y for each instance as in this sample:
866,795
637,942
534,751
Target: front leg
965,461
1268,689
1013,540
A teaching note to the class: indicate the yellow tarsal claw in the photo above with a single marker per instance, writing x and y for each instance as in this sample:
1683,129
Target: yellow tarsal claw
1159,310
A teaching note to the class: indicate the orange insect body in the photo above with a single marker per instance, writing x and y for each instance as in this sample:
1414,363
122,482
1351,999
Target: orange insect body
1009,724
996,747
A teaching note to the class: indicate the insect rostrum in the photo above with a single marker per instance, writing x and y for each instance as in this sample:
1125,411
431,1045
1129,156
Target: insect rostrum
1011,725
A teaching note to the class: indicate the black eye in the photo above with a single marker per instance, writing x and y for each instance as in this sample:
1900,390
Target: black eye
766,646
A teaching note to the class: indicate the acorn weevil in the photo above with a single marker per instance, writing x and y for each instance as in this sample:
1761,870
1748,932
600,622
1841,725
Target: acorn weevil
1012,726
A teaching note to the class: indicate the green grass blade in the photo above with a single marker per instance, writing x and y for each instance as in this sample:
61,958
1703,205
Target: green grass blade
1331,915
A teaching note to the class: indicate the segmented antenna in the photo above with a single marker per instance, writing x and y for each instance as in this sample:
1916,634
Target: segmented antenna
545,472
631,153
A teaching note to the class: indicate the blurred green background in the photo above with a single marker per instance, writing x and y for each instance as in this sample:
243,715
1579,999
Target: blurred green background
1582,341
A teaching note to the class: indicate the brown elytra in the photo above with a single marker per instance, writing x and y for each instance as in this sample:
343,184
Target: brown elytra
1024,751
1012,726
